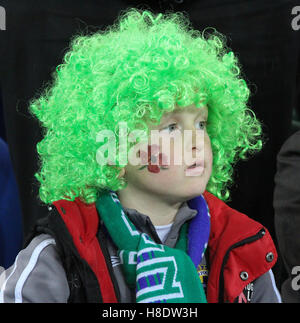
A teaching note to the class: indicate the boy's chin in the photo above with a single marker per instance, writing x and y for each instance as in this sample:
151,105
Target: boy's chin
195,195
190,194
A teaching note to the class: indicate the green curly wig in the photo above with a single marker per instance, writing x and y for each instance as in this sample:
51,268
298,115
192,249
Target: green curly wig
134,71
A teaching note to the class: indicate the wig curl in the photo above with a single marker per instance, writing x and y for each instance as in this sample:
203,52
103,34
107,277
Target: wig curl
134,71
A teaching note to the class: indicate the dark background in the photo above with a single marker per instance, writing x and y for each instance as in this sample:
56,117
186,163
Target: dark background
37,35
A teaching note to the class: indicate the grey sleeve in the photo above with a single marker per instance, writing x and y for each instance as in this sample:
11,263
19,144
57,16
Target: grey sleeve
265,290
37,276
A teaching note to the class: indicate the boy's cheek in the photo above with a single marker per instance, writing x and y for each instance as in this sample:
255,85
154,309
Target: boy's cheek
164,178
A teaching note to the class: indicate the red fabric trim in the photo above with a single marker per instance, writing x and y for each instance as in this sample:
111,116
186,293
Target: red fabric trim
82,222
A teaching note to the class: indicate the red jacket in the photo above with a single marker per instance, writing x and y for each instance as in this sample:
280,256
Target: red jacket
240,249
237,244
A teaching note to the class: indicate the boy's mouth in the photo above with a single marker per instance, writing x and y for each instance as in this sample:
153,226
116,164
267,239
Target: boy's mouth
196,164
195,169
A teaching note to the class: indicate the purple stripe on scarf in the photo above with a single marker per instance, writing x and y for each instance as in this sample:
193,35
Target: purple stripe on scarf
161,301
158,278
143,282
199,229
145,256
151,279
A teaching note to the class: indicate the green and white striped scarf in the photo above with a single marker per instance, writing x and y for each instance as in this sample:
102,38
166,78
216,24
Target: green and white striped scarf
159,273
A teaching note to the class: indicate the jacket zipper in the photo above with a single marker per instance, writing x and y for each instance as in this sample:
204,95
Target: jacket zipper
253,238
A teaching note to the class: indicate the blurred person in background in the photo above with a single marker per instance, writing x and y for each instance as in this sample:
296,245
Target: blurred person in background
287,215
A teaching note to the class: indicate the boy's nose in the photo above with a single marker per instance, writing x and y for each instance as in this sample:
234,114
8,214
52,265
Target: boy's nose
194,147
194,140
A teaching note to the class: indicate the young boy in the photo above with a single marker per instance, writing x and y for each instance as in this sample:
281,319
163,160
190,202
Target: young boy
155,230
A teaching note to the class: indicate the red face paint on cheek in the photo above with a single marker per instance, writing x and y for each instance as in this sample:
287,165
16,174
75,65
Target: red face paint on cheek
149,159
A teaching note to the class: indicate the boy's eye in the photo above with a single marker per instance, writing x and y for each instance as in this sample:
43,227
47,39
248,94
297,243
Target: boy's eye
171,127
202,125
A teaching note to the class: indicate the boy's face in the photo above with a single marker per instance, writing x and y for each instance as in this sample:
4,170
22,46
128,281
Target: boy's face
165,169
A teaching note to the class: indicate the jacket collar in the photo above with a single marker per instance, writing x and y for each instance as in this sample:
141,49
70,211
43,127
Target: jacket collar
144,224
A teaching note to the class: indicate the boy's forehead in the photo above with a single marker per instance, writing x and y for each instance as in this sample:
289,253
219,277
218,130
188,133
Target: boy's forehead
191,109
